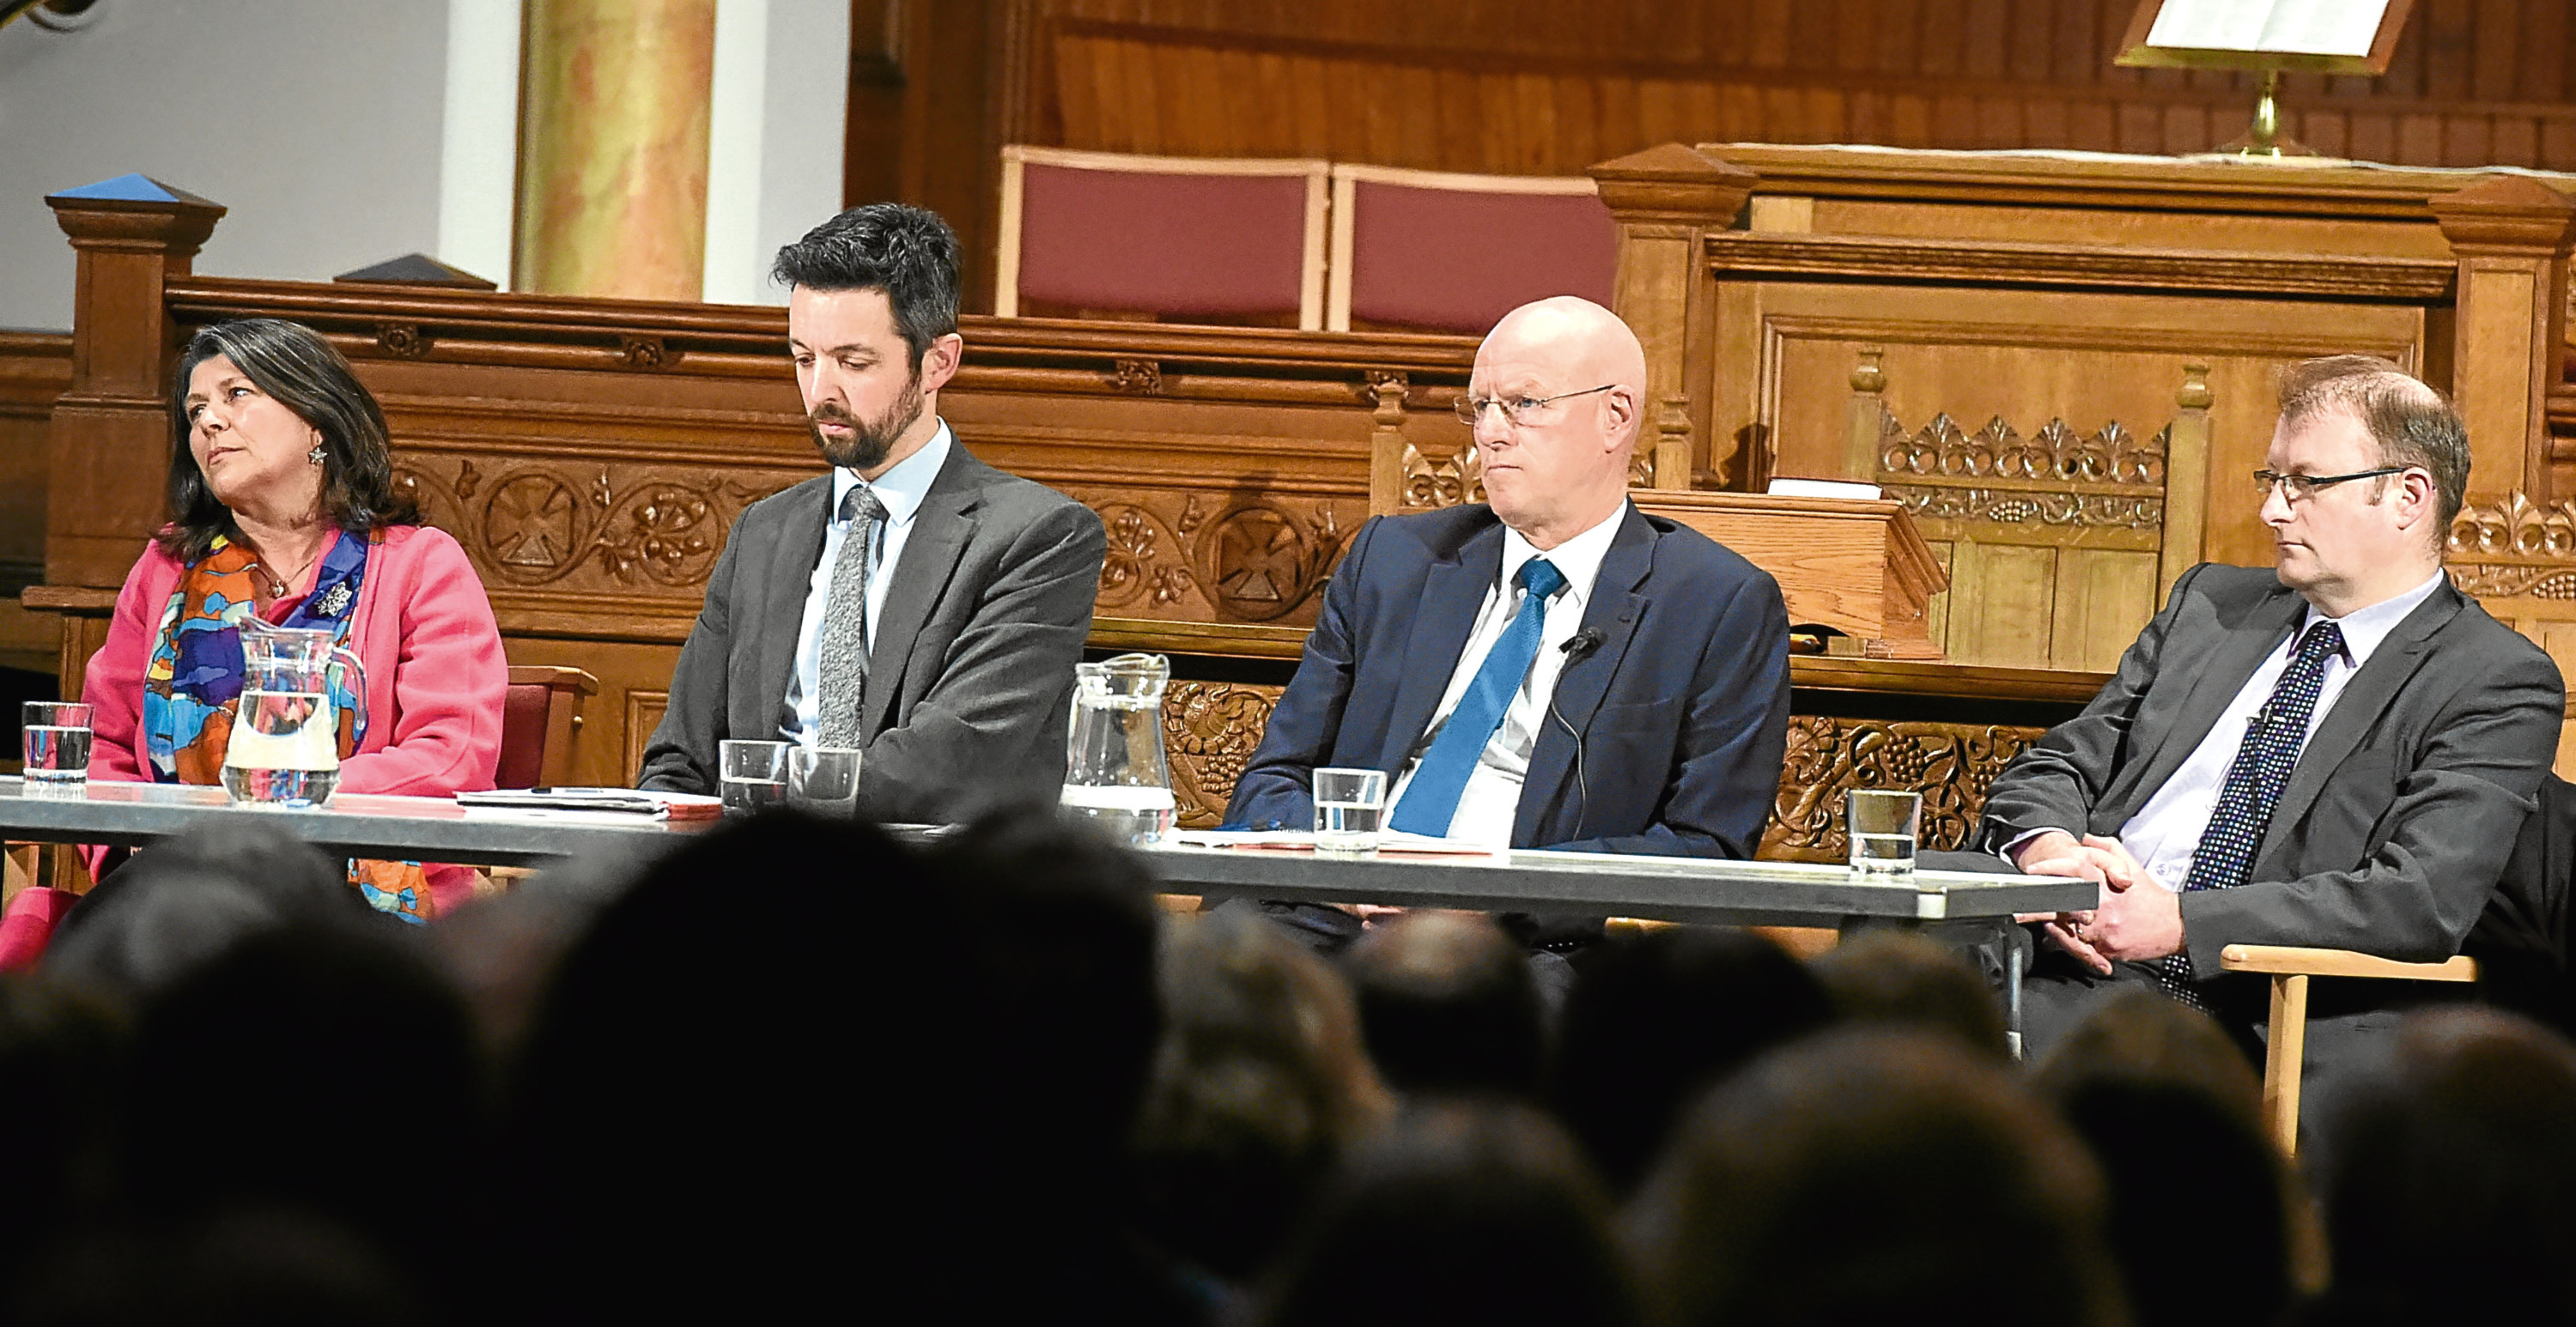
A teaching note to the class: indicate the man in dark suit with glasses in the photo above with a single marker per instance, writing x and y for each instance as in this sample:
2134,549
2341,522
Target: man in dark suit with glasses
2335,752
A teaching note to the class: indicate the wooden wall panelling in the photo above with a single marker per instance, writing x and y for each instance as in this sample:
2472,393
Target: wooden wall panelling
1468,100
35,368
1781,379
591,456
111,422
2518,558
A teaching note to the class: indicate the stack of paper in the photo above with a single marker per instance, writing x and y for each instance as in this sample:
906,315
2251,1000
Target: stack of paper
624,801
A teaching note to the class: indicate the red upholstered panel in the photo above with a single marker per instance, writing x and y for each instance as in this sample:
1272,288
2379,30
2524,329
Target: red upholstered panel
523,737
1183,245
1454,261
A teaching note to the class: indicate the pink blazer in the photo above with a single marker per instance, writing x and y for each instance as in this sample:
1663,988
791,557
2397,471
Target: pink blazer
436,677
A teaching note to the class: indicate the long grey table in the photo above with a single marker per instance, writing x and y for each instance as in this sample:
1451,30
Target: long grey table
431,829
1963,907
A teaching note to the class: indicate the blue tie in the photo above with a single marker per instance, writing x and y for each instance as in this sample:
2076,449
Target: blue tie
1432,798
2261,769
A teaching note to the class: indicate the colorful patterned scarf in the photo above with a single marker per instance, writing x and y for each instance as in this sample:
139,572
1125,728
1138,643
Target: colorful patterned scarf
192,685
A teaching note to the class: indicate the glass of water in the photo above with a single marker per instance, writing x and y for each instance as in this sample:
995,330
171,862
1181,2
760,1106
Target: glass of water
1348,805
754,775
1883,826
823,781
57,743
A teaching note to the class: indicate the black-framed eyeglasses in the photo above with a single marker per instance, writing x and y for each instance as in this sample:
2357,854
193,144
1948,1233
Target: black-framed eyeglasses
1519,409
2299,488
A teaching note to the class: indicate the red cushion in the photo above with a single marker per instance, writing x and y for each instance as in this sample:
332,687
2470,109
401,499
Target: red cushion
523,737
1453,260
1184,245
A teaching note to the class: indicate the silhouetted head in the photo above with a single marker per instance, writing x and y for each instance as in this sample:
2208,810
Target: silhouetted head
2171,1110
184,899
313,1068
2453,1191
1063,930
1897,978
1471,1213
242,1267
1869,1177
2140,1035
739,1038
1652,1022
1448,1005
1259,1086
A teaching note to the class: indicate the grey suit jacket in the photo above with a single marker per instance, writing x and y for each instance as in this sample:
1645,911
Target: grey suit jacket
971,670
2401,811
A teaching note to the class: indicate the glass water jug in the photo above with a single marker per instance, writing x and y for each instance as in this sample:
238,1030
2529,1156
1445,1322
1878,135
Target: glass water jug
1116,775
285,744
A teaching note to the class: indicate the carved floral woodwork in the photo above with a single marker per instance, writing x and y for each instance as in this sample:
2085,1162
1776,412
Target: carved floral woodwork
2514,546
1951,764
1433,482
569,525
1210,729
2110,477
1185,555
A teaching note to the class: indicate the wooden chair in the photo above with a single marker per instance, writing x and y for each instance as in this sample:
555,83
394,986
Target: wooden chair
1097,235
2290,967
540,714
1431,251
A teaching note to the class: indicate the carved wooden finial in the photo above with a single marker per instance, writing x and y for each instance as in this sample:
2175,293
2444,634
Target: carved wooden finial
1866,375
2195,393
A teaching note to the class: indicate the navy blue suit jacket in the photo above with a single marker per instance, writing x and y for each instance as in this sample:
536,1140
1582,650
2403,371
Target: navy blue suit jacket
1683,707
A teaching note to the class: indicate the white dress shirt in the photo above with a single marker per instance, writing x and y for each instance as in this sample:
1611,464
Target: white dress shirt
1492,799
2166,831
901,490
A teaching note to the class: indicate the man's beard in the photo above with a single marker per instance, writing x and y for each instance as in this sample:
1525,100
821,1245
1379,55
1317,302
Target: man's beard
869,441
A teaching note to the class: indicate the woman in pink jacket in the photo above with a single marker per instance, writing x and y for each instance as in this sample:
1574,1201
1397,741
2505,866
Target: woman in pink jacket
283,505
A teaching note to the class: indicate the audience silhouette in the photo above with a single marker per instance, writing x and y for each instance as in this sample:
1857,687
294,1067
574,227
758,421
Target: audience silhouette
671,1084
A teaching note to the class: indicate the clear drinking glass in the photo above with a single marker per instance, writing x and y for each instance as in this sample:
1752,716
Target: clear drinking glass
824,781
753,775
1348,806
1883,825
57,743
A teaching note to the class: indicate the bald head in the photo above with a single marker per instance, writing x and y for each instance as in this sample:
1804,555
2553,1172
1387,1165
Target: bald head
1559,468
1589,341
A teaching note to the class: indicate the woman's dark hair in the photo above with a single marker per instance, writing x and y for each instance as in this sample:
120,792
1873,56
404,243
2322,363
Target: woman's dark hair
292,363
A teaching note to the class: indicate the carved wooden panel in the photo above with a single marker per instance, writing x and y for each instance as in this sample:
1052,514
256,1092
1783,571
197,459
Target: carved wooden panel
1210,729
2518,558
1186,555
575,529
1951,764
643,715
2051,541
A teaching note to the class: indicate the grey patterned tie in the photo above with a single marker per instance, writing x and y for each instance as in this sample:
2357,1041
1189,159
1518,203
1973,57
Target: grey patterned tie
843,685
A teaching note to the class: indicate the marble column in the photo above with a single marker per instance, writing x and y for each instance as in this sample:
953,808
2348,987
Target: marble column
613,148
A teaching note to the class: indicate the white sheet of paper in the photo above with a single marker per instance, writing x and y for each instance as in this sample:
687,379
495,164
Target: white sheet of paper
2292,27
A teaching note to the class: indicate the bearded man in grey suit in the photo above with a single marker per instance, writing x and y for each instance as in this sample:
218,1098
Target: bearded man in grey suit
2337,752
916,603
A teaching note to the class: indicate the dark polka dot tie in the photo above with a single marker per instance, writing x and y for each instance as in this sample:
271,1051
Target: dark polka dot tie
2273,739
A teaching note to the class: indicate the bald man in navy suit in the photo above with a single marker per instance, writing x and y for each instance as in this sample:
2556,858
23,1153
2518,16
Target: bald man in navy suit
1551,667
